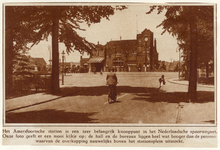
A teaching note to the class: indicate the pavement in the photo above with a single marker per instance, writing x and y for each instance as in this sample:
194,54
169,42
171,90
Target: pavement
188,114
185,82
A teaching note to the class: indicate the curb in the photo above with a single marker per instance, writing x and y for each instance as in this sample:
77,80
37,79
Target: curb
41,102
182,83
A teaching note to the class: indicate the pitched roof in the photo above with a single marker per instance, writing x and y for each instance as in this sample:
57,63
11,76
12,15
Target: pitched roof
85,59
40,61
125,44
96,60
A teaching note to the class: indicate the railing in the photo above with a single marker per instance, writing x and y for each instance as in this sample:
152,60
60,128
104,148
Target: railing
27,84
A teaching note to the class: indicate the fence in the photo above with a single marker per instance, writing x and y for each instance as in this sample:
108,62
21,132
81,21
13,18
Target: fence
27,84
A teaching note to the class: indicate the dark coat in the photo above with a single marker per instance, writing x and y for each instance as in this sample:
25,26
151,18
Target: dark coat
162,80
111,78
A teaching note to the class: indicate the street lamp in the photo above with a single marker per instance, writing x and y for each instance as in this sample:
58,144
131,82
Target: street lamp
63,55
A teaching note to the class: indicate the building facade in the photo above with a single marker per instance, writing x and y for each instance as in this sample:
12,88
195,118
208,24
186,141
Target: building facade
97,59
135,55
39,64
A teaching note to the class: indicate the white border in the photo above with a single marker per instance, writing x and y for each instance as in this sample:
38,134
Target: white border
130,1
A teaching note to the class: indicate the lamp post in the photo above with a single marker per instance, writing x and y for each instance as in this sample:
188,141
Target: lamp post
63,55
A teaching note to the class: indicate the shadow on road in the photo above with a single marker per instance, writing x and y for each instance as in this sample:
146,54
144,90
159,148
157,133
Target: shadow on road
175,97
49,116
102,90
143,93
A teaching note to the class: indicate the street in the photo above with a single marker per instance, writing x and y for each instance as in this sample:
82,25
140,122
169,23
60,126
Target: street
84,100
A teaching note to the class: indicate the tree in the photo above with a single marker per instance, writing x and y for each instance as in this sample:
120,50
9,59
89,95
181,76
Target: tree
22,65
190,25
8,51
17,34
177,67
61,22
162,66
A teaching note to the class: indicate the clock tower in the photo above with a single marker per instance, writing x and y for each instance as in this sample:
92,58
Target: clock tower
145,50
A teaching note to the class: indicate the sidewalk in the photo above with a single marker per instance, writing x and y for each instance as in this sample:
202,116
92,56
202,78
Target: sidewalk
185,82
27,101
31,100
195,113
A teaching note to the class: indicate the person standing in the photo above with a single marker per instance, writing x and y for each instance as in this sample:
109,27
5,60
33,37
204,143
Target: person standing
162,82
112,82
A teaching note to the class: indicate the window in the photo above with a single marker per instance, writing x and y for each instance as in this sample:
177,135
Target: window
134,52
118,62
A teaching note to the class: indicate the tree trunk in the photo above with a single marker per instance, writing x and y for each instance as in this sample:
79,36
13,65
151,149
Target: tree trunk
55,87
8,51
193,58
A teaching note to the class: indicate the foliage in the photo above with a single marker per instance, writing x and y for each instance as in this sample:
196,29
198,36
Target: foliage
193,28
162,66
22,31
21,63
34,23
177,23
176,68
70,18
23,66
17,34
31,24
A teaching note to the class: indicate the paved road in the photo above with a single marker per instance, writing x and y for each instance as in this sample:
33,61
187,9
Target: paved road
138,102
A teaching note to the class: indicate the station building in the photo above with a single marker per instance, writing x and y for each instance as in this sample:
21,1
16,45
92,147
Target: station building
135,55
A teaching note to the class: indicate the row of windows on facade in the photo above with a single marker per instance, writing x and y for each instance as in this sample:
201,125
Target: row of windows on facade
133,53
101,51
121,64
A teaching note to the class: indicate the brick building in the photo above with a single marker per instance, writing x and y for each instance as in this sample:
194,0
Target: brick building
97,59
126,55
39,64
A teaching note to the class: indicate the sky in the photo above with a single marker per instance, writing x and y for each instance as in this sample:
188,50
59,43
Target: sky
125,24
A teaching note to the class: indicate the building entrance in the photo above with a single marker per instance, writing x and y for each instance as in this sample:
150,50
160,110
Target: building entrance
98,67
